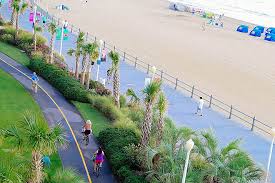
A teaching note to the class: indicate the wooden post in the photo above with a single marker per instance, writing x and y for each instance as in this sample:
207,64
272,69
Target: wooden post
161,74
104,44
72,28
79,30
230,114
87,36
176,83
148,69
114,48
95,38
210,101
192,92
253,123
136,63
124,56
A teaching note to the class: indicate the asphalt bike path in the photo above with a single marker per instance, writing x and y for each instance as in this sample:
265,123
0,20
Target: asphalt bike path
57,109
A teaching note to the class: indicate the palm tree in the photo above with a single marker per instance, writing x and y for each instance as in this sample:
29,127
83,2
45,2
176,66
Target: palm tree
164,163
116,81
13,14
36,29
19,8
84,52
151,93
228,164
133,97
77,52
13,166
34,133
52,29
162,107
93,53
65,175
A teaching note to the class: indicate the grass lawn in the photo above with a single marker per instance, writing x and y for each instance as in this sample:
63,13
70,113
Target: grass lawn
14,53
14,101
99,121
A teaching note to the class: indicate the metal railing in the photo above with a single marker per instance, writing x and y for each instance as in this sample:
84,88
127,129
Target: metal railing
229,110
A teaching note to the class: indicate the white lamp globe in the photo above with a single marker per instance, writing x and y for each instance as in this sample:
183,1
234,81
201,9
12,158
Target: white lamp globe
154,69
273,132
100,43
189,145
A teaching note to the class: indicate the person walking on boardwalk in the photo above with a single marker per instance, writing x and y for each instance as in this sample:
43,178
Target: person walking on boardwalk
200,106
34,82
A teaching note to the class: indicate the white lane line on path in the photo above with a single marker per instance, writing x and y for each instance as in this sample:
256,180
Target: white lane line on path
78,147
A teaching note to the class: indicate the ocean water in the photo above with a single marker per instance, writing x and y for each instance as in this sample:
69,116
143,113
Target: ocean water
260,12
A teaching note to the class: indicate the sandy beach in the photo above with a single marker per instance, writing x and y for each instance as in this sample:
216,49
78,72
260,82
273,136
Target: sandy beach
236,68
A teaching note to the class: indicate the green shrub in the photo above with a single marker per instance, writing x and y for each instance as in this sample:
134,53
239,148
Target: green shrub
60,79
114,141
7,38
99,88
122,101
106,106
2,22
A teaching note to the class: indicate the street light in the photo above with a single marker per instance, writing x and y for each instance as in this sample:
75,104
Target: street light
188,146
154,69
99,58
34,18
270,153
64,26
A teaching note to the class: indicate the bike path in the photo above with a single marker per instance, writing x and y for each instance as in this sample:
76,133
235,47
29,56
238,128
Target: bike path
70,156
181,107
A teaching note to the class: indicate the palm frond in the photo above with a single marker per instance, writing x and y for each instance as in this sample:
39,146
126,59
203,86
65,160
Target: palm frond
151,91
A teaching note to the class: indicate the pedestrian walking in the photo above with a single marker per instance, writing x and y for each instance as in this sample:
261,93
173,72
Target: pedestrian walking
35,80
200,106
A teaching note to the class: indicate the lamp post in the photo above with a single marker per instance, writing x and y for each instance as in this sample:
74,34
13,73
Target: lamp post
99,58
188,146
34,17
64,25
154,69
270,153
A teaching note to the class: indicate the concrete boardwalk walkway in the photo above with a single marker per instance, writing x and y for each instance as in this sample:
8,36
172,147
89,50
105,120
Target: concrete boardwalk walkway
70,156
181,107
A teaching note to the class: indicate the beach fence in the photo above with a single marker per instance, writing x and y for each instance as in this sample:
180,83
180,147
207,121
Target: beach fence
229,111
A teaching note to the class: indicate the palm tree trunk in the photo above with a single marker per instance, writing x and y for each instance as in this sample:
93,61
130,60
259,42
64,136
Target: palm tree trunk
146,126
160,126
12,16
116,86
51,48
34,39
88,76
16,25
76,67
84,66
37,173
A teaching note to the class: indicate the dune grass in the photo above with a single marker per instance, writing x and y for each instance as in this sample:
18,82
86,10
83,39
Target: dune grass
14,53
14,102
99,121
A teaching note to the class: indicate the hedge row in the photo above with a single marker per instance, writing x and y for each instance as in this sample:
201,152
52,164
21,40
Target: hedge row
24,40
114,141
60,79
